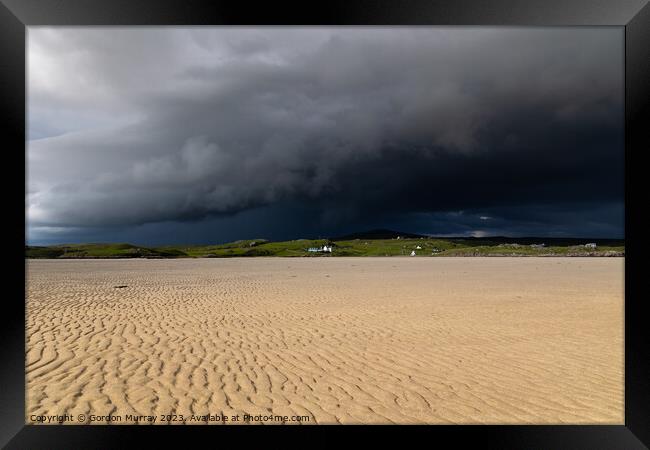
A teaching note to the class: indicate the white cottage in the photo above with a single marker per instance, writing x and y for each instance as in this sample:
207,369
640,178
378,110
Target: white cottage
323,249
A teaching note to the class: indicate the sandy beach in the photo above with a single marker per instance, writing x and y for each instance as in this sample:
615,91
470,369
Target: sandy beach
326,340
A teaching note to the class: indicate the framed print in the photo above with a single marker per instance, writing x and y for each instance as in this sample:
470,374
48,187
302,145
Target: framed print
413,217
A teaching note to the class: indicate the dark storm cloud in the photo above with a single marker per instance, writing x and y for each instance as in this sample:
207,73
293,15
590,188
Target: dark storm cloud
140,126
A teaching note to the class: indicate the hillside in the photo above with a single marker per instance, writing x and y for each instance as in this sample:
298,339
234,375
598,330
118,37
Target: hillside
400,245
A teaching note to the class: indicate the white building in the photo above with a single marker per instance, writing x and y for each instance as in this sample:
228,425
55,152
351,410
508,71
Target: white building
591,245
324,249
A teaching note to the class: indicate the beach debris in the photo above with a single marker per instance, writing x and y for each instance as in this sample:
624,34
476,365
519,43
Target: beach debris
413,253
122,286
418,248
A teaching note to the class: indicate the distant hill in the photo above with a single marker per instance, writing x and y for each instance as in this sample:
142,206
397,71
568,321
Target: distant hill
377,234
76,251
549,241
489,240
369,243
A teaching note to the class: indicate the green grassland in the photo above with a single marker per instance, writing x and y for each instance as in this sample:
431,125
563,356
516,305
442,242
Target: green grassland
100,251
429,247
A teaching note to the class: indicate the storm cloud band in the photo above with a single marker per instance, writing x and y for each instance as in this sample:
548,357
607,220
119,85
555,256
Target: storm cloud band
132,127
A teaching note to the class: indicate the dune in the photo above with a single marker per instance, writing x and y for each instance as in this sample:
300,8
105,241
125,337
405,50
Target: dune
326,341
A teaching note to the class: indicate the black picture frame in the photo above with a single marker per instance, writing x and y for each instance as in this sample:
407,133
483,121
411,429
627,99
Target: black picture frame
634,15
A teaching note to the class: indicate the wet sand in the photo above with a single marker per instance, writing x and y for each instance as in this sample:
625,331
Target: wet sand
326,340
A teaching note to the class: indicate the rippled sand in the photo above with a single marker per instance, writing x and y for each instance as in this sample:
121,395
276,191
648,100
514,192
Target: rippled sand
333,340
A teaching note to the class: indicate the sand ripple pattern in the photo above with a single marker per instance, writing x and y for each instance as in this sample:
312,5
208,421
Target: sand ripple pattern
340,340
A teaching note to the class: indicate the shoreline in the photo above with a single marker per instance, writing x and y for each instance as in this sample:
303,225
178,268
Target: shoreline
607,254
111,258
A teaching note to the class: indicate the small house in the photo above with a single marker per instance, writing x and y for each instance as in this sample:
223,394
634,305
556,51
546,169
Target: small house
323,249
